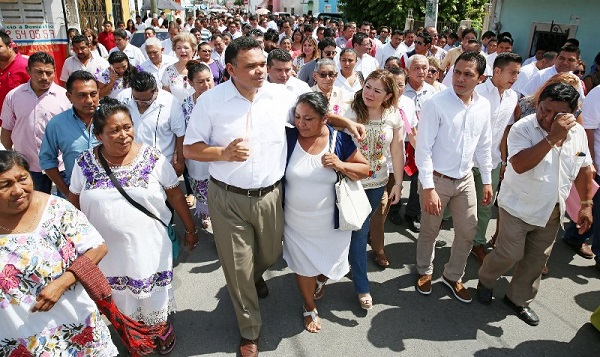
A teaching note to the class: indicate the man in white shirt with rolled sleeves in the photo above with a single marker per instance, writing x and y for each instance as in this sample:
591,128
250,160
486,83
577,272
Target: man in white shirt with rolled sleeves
279,69
157,61
454,127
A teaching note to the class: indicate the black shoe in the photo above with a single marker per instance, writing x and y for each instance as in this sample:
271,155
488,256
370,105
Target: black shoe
395,219
484,294
412,224
440,243
262,290
525,313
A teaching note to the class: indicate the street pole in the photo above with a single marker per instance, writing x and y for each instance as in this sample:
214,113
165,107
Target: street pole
154,8
431,13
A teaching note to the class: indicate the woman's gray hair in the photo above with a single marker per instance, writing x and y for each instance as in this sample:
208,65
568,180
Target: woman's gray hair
324,62
10,159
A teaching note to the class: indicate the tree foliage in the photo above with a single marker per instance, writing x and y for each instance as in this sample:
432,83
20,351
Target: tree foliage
394,12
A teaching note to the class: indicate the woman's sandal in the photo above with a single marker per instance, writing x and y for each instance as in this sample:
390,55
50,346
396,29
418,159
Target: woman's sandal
320,289
381,260
314,320
366,301
163,349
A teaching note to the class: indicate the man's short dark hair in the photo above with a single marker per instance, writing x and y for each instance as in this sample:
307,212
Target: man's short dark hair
107,22
573,42
572,49
475,57
5,38
151,29
328,33
252,18
326,42
237,45
79,75
493,39
278,54
549,56
397,32
80,39
120,22
40,57
468,31
427,39
488,34
255,33
358,38
406,32
505,39
453,35
120,33
272,36
560,92
143,81
504,59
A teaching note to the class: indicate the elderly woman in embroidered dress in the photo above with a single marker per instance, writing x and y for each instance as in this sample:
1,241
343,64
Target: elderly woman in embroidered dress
174,78
324,75
139,265
43,310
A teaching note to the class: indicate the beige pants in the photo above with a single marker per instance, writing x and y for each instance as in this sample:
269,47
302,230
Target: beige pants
460,198
248,234
522,244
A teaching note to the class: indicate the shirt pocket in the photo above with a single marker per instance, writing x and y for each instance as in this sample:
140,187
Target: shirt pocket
571,165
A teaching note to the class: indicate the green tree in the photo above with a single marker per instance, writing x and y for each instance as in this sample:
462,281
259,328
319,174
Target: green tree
394,12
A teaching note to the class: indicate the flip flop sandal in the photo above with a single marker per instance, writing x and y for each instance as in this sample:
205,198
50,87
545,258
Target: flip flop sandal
163,349
381,260
314,314
320,290
366,301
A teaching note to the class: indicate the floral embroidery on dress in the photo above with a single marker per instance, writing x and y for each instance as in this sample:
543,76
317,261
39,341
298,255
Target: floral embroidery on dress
145,285
104,77
188,106
174,78
200,190
136,174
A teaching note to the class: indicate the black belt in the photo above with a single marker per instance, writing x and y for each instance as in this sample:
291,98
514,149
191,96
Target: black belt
242,191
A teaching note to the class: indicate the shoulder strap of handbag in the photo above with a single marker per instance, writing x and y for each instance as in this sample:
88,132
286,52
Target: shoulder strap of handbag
118,186
361,78
333,141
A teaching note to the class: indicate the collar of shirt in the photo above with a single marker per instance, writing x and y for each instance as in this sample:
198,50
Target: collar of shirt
50,91
232,92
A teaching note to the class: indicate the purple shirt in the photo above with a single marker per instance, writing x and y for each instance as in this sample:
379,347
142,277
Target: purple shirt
26,115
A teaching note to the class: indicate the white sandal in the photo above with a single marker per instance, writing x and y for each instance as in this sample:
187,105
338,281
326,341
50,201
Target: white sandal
320,290
314,314
366,301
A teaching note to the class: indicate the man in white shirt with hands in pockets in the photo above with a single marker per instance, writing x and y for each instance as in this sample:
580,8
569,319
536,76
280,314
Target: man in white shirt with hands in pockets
453,129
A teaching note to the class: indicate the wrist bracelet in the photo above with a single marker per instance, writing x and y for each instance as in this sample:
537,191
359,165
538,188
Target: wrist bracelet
587,203
194,232
549,142
398,184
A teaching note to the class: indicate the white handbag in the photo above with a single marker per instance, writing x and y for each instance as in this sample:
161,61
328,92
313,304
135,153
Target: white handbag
351,199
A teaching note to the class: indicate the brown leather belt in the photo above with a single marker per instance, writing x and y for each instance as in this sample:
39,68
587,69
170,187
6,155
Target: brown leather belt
435,173
242,191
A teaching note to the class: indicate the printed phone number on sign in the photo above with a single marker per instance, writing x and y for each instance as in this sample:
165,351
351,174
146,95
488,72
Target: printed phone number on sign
37,34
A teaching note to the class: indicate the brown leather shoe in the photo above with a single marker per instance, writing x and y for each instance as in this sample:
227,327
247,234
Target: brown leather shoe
248,348
424,284
381,260
459,291
479,252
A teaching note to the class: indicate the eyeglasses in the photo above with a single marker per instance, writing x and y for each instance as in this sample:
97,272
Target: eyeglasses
578,72
419,43
329,53
433,71
327,74
145,102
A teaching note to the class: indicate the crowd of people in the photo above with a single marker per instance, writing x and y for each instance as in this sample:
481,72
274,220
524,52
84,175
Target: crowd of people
247,107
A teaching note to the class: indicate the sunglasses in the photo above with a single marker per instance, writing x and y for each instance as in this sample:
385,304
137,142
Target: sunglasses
330,75
578,72
433,71
329,53
419,43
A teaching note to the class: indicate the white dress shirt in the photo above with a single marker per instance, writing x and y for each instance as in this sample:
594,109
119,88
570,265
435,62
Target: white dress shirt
386,52
403,48
532,195
502,110
529,61
222,114
591,119
168,46
538,80
160,124
95,66
135,55
342,82
525,75
157,72
297,86
366,65
451,134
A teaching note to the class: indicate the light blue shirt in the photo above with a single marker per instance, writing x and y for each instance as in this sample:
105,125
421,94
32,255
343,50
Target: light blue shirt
65,134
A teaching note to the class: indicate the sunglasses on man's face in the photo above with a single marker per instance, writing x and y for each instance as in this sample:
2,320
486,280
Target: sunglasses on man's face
327,74
329,53
578,72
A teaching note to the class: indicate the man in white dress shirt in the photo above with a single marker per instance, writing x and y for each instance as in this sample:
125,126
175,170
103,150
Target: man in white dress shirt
157,61
408,43
361,43
122,44
390,49
83,60
503,101
547,152
437,52
566,61
505,44
279,69
527,71
454,128
239,127
168,43
157,117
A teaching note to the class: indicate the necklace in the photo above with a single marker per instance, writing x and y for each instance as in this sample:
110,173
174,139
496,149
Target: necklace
28,227
110,162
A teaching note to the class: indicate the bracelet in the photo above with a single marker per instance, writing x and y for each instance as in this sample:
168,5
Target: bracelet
587,203
549,142
398,184
503,163
194,232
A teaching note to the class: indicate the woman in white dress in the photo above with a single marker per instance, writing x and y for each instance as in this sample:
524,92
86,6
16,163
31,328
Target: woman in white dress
138,266
348,79
116,77
318,248
174,78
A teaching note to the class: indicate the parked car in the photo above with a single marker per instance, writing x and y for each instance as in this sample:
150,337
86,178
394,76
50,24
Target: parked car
138,39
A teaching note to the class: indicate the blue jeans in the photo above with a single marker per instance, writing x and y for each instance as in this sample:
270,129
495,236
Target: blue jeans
41,182
573,237
358,245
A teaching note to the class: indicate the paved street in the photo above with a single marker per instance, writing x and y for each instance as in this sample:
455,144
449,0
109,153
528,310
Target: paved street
402,322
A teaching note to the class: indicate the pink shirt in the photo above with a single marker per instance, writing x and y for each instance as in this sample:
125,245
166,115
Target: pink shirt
13,75
26,115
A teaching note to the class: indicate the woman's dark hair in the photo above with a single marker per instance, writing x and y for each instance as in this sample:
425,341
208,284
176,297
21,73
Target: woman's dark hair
194,67
316,100
10,159
108,107
560,92
118,57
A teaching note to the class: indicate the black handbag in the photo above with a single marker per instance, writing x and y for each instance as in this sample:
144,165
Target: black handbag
113,179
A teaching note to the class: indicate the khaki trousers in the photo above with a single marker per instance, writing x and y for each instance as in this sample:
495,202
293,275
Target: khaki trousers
522,244
248,234
460,198
378,220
